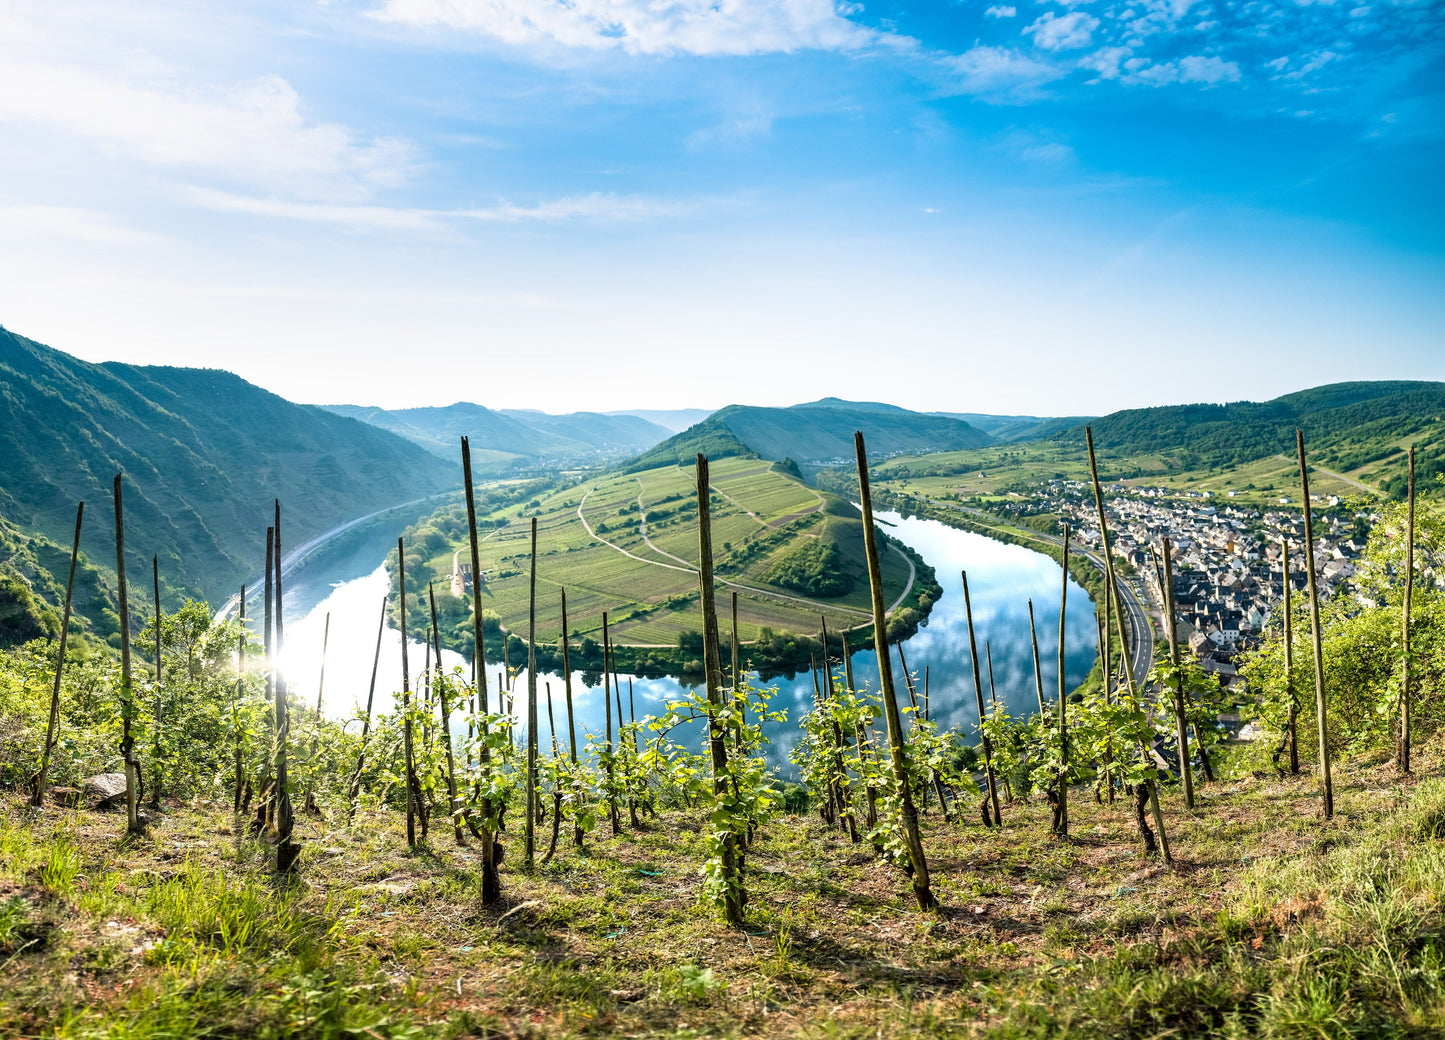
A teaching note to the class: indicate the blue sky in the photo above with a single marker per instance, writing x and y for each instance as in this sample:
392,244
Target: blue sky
1048,208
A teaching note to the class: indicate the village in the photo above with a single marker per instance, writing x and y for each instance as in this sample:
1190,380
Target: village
1227,560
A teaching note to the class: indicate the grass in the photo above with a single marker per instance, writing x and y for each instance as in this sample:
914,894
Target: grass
1273,924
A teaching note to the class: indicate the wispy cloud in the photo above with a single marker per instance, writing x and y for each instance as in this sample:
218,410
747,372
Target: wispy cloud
254,132
706,27
999,72
595,207
67,222
1068,32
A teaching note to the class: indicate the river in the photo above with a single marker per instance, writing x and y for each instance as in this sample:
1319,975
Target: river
348,583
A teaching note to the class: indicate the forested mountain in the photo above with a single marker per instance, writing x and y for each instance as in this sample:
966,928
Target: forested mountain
203,453
501,435
819,432
1347,425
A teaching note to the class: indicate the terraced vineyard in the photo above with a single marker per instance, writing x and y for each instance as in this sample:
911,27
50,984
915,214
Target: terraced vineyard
627,544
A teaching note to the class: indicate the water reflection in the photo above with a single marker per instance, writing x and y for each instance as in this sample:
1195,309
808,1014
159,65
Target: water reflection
350,584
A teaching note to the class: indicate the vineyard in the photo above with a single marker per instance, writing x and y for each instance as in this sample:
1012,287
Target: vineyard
1109,864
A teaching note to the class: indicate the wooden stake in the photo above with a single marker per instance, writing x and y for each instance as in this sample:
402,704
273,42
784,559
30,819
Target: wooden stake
1321,708
1402,759
40,784
734,894
453,802
1181,717
1062,829
156,770
612,813
411,785
127,694
989,778
366,721
1038,668
491,880
1289,664
922,891
1112,585
286,849
529,841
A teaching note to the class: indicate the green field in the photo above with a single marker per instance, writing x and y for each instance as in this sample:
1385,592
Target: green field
627,544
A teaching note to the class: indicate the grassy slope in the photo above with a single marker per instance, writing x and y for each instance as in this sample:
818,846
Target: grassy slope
652,600
1274,924
203,451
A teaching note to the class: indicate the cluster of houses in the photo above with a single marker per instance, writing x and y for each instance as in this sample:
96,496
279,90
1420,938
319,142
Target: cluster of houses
1227,562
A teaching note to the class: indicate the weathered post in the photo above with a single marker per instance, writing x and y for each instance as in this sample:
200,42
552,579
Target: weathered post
612,813
529,846
491,881
990,780
157,774
922,891
1061,822
40,784
286,849
127,692
411,785
1403,755
1321,708
1293,735
1181,717
366,721
1151,788
734,895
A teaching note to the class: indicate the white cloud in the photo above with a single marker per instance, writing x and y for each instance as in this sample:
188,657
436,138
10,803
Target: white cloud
254,132
1192,69
997,71
1073,30
646,26
595,207
1000,12
76,225
1105,61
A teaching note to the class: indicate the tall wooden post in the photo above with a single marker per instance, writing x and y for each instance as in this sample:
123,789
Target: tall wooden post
1321,708
989,778
39,785
612,812
406,735
1181,717
1038,668
1063,816
529,847
266,811
157,772
491,880
1293,735
127,690
286,849
440,685
1403,755
237,731
733,893
366,721
1112,584
922,891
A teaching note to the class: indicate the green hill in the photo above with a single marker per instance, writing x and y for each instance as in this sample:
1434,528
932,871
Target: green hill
510,434
817,433
203,452
1348,426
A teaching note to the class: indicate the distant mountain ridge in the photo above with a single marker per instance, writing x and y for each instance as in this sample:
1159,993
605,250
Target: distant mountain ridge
815,433
203,453
1348,424
501,435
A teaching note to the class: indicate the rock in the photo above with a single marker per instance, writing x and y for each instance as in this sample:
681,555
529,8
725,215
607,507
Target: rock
105,791
67,797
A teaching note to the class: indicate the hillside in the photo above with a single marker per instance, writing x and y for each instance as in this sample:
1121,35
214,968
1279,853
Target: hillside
627,544
1348,426
819,433
203,452
501,436
674,420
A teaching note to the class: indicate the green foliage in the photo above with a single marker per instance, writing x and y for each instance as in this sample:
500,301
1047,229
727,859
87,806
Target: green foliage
811,567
